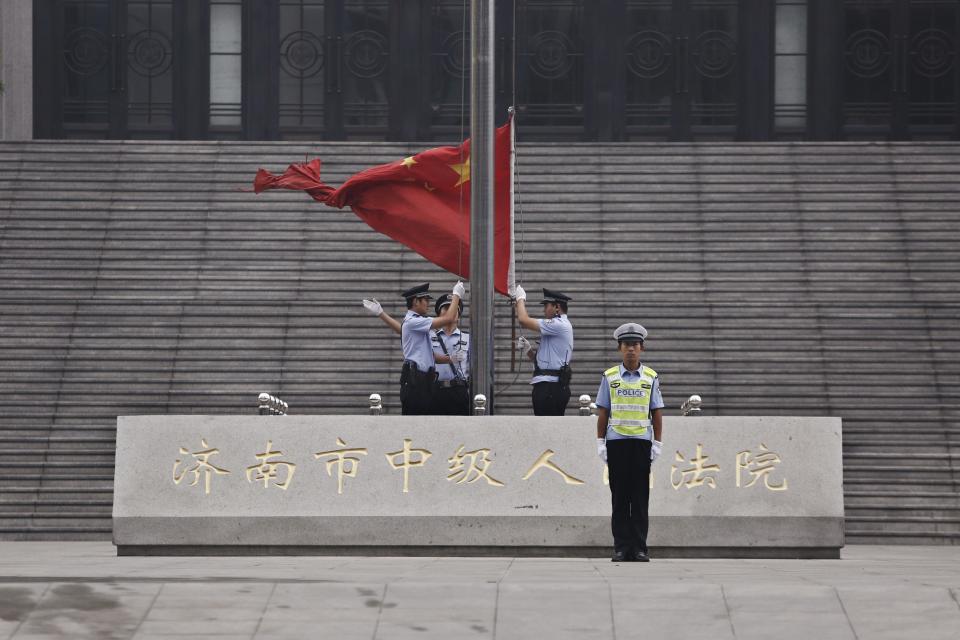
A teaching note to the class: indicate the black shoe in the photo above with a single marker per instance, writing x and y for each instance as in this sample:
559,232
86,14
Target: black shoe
640,556
620,556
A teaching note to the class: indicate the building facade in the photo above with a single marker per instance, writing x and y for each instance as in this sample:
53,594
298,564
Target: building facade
602,70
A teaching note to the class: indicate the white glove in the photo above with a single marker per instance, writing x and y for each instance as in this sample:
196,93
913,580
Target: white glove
459,290
458,356
519,294
602,448
372,306
655,450
524,346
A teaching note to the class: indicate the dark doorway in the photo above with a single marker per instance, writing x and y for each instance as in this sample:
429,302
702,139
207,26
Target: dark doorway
899,64
111,68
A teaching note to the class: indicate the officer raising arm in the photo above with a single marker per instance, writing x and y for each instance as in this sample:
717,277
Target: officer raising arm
629,405
419,373
551,372
451,351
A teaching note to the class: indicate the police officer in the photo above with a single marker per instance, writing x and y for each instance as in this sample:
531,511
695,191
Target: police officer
629,432
451,351
551,372
419,373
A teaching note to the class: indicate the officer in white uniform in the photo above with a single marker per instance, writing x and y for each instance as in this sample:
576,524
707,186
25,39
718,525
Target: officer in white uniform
629,432
551,373
419,372
451,351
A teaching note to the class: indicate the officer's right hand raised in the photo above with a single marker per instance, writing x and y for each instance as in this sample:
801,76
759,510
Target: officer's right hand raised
459,289
519,293
372,306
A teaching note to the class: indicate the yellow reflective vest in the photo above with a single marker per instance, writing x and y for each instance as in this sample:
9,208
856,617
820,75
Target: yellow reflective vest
630,401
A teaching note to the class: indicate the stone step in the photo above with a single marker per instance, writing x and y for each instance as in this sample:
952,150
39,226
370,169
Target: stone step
854,536
77,532
900,527
71,509
773,272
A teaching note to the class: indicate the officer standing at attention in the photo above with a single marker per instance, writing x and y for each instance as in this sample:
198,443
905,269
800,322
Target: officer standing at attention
419,372
551,371
629,407
451,351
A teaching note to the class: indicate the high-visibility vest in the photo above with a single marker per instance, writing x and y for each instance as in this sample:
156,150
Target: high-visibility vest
630,401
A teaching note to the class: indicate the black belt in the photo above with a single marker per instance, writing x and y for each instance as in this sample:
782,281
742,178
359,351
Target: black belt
446,384
537,371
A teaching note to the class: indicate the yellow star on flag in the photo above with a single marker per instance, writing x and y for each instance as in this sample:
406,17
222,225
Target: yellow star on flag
408,162
462,170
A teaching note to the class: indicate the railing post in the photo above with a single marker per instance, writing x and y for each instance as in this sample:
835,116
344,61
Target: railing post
376,404
692,406
585,405
263,404
479,405
268,405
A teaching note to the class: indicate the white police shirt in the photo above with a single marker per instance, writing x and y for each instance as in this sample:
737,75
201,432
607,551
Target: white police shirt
456,341
556,346
603,400
415,340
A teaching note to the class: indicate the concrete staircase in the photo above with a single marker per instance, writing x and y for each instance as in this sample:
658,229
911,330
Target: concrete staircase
775,279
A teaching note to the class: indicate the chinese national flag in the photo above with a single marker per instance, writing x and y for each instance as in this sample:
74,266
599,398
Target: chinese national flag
422,201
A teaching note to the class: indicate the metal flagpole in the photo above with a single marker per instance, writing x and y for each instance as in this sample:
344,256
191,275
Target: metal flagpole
481,198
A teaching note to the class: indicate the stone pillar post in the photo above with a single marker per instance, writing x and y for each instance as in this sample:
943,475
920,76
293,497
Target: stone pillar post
16,69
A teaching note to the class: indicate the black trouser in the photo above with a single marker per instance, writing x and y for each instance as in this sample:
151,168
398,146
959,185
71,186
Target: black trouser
550,399
451,401
416,392
628,462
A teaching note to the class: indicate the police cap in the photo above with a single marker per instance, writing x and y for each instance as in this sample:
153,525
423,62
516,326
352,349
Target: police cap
554,296
444,301
630,331
419,291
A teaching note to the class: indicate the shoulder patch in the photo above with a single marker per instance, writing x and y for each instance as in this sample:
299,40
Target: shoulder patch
547,320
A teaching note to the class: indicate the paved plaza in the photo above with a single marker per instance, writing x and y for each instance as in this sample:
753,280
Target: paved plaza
82,590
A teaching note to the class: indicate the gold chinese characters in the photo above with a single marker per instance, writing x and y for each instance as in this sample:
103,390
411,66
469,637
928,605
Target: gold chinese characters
702,473
468,467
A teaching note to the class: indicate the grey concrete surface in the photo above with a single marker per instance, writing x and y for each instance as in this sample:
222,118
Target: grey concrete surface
82,590
16,69
763,483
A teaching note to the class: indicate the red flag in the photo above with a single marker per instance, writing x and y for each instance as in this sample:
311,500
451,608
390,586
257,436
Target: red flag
422,201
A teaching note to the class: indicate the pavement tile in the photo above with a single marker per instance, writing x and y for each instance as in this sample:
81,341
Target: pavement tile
664,610
346,630
554,610
421,629
183,636
236,628
758,610
902,611
17,601
89,610
454,596
201,612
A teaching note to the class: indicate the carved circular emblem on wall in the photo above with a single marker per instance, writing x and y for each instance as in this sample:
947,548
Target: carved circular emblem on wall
150,53
453,54
932,53
649,54
551,54
301,54
714,54
85,51
366,54
867,53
